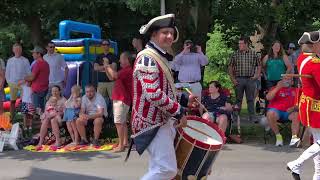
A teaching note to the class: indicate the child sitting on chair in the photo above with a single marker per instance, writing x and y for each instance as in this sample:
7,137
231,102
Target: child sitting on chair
217,106
51,109
71,113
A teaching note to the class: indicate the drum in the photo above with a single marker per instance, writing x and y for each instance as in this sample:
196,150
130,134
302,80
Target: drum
197,147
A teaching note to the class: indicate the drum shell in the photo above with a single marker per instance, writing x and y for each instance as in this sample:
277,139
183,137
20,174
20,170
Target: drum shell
195,159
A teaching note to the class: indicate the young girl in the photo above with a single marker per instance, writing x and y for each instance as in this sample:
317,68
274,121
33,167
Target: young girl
71,113
51,109
27,107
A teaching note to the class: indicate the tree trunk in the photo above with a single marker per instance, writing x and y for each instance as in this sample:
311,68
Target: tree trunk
33,22
204,23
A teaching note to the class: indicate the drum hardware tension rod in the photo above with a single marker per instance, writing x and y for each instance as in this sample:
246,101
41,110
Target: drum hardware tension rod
199,131
297,75
204,108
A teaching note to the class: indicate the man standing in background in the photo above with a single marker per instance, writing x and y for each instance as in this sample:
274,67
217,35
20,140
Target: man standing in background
105,85
244,70
58,68
17,68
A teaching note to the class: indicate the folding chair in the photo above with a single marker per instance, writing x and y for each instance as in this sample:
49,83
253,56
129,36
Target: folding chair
10,139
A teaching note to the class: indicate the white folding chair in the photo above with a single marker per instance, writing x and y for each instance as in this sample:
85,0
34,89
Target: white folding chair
10,139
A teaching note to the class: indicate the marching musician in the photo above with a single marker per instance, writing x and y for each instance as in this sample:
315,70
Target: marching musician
308,64
155,101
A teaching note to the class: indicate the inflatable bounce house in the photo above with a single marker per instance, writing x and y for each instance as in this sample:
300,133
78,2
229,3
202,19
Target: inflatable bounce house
6,103
80,53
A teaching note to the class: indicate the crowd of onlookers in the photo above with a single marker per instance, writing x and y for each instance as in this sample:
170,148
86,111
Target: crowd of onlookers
42,84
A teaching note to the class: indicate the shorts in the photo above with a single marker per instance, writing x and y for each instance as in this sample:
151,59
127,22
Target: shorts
70,114
120,112
105,89
14,90
27,108
283,115
214,116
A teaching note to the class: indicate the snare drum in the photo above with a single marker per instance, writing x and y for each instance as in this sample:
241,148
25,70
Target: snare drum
195,151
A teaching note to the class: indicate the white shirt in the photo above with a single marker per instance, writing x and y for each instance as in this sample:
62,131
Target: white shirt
57,65
17,69
91,106
26,94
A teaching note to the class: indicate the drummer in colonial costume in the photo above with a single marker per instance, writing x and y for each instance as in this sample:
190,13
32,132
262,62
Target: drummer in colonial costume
155,104
308,64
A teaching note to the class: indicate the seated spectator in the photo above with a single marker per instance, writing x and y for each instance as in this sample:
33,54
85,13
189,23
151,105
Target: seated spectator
53,116
217,106
281,108
121,96
189,63
93,109
71,113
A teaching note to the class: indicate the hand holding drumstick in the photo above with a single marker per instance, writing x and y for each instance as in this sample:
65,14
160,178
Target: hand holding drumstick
194,98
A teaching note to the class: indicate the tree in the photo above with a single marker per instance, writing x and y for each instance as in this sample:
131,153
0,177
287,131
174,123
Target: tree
218,54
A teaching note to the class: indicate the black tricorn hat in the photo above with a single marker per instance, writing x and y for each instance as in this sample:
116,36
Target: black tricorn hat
159,22
309,37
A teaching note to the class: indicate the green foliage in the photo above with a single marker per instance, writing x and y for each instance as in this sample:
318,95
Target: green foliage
218,54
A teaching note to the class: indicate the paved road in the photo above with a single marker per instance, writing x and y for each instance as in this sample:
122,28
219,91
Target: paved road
241,162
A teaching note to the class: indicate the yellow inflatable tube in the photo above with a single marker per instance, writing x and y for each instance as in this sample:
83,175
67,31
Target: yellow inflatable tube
81,49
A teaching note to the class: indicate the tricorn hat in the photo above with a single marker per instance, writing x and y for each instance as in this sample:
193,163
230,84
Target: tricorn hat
309,37
159,22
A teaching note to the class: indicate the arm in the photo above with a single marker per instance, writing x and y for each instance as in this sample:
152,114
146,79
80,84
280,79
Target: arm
258,64
98,68
271,94
98,114
288,64
177,62
203,59
66,72
264,63
2,77
30,77
111,73
7,72
147,73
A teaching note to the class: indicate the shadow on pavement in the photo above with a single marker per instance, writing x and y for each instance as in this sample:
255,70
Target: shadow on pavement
40,174
73,156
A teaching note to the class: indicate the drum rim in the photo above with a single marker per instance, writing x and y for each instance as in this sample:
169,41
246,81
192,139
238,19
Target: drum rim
198,143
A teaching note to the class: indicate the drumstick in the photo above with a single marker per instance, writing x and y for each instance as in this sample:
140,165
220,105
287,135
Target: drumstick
204,108
297,75
199,131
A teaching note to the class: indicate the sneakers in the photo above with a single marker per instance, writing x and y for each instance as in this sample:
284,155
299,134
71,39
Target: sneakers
83,142
295,169
279,140
95,142
294,141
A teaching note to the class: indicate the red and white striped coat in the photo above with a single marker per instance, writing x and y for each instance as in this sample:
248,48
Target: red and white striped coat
153,100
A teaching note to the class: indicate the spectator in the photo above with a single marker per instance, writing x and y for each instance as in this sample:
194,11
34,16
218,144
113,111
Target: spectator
17,68
244,70
137,43
27,107
93,110
281,108
217,105
39,78
55,120
105,85
71,113
2,81
121,96
275,63
293,54
58,68
189,63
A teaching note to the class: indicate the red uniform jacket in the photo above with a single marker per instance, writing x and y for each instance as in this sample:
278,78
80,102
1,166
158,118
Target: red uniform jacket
309,104
153,99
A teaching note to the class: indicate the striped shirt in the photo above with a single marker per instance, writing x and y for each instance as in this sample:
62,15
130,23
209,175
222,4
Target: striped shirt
244,63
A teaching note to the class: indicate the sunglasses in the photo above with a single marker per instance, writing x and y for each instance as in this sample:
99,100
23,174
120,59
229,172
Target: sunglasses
51,46
105,44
